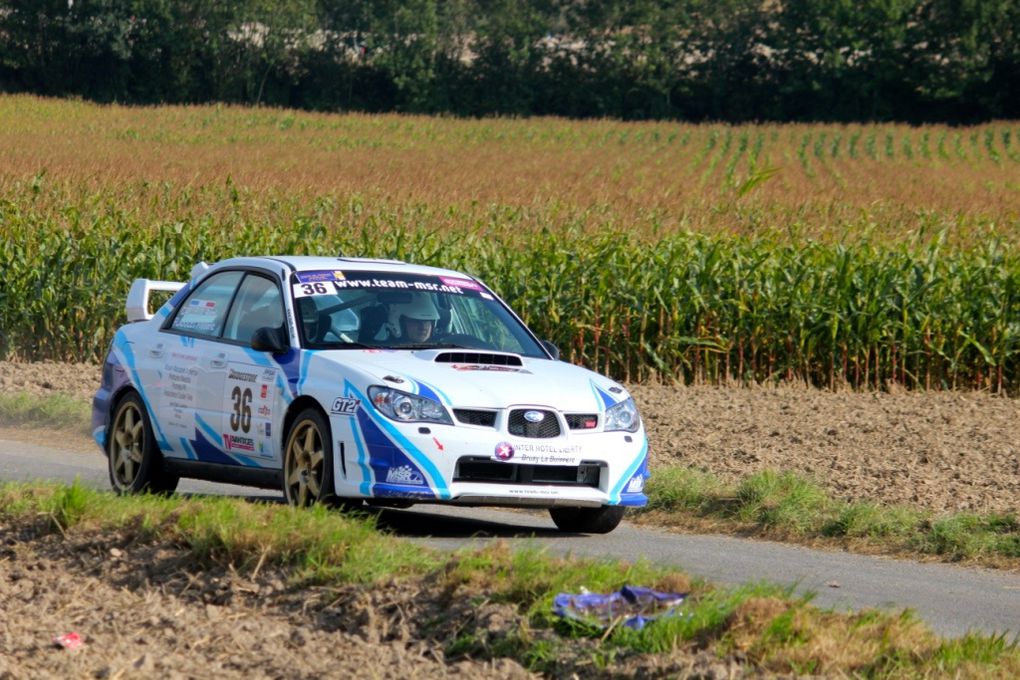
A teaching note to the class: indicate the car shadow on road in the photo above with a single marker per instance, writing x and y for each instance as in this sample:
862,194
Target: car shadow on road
413,523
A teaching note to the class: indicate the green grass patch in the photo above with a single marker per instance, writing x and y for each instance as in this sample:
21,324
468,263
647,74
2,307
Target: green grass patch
871,520
675,489
320,545
56,410
784,500
965,535
759,626
788,506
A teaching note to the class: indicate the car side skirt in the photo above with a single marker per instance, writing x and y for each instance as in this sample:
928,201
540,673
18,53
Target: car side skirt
227,474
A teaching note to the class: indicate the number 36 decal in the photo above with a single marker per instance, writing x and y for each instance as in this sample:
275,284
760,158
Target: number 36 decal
316,288
240,419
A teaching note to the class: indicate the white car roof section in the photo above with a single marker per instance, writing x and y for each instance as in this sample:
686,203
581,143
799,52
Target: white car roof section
269,263
310,263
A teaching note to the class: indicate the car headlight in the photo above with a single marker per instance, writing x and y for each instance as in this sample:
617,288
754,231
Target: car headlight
408,408
622,416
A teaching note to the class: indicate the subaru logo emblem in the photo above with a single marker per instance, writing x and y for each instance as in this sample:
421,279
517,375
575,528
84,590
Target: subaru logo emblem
534,416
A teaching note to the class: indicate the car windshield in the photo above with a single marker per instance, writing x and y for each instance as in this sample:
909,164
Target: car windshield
358,309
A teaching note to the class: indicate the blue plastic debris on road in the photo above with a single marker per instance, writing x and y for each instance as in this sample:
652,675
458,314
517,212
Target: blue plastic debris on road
631,606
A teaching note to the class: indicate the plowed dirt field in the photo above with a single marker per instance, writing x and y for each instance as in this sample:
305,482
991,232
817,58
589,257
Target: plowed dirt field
945,451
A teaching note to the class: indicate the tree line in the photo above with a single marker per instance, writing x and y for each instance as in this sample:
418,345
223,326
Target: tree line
953,61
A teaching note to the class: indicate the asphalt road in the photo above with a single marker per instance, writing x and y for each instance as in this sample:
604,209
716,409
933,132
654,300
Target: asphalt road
952,600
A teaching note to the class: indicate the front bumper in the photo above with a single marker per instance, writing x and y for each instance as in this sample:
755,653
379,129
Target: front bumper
465,465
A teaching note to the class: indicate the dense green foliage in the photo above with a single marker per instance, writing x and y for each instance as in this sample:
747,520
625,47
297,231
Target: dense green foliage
690,306
911,60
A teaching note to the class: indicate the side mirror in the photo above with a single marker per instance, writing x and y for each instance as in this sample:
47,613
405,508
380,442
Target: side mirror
269,339
551,349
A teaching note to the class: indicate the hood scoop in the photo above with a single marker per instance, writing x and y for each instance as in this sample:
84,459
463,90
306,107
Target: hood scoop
481,358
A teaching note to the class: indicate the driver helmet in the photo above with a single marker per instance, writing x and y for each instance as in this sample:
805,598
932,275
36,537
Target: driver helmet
419,308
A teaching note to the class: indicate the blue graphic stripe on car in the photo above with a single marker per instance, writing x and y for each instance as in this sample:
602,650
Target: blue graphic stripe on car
409,449
209,452
188,450
605,399
433,393
260,359
122,345
234,458
614,496
366,472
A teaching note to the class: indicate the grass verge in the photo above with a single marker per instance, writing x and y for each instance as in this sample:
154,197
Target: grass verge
57,410
758,628
786,506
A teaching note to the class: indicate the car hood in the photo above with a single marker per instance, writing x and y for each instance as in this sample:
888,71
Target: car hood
470,379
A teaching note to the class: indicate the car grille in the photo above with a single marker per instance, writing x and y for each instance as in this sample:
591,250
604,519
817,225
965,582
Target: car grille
582,421
520,426
470,416
477,469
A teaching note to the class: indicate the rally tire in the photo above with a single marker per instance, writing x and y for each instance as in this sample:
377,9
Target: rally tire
134,462
308,461
599,520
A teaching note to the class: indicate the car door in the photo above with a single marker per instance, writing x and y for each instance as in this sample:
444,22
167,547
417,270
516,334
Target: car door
193,362
253,396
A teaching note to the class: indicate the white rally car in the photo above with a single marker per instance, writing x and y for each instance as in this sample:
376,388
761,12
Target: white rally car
351,380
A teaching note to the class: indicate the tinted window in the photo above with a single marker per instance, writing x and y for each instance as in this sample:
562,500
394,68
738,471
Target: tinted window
258,304
205,309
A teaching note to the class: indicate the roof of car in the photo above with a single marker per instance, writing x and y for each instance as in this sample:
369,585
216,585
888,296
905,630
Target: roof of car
304,263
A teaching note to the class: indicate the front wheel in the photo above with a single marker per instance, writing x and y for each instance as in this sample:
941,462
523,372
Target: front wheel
135,463
599,520
308,461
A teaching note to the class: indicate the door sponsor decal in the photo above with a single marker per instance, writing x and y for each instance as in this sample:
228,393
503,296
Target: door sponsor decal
538,454
249,398
232,442
177,400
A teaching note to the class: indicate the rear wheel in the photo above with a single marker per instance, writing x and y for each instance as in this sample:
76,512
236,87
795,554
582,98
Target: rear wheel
599,520
308,461
134,461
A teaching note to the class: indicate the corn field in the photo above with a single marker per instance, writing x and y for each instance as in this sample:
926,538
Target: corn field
859,255
691,307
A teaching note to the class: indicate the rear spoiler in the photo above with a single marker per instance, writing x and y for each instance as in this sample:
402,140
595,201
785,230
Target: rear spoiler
138,297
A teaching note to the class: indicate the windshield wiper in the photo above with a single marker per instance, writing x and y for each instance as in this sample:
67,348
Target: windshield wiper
429,345
342,345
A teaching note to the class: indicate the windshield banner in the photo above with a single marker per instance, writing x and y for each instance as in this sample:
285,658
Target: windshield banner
331,282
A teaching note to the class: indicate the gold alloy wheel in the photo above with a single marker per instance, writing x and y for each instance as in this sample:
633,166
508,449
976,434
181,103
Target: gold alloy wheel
127,452
305,467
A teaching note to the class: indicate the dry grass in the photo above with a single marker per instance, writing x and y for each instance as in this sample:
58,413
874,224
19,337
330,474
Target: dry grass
829,181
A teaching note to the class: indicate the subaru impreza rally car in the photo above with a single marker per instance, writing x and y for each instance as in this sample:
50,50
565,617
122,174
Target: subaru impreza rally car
344,380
